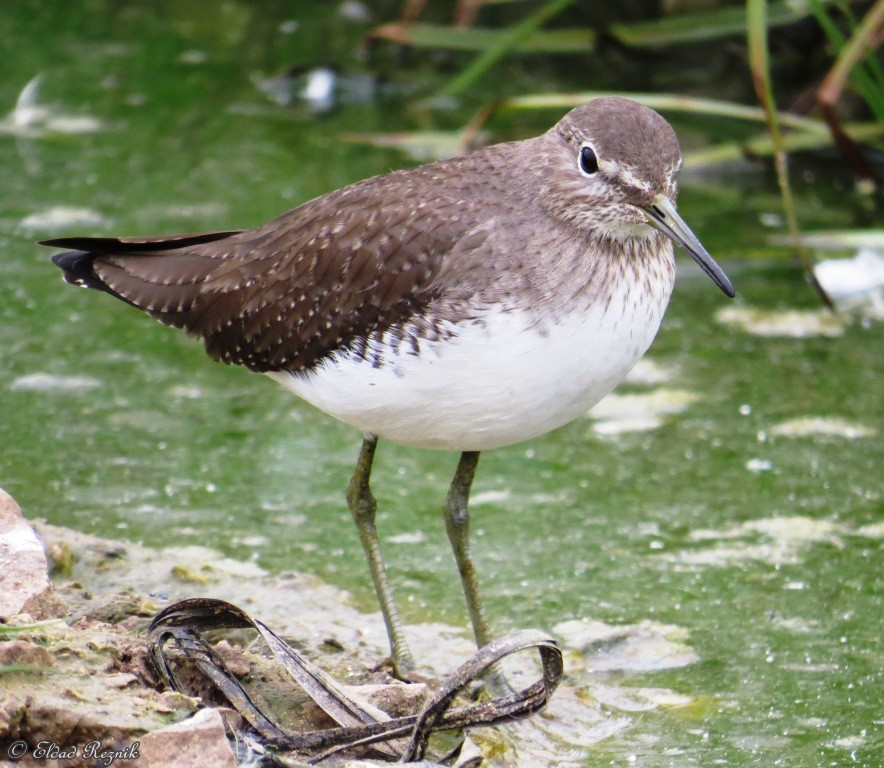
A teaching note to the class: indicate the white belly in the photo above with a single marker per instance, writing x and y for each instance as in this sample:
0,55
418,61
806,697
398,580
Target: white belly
496,382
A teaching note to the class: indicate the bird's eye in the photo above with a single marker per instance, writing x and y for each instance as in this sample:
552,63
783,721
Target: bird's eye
589,163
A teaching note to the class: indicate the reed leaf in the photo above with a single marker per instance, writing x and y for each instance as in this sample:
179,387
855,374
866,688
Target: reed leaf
762,146
705,26
479,39
759,66
670,30
667,102
854,55
514,36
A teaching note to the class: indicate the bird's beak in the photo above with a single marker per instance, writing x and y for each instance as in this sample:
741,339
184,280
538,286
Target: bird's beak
661,214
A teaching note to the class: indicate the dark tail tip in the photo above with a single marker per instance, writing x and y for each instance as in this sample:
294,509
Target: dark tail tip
77,268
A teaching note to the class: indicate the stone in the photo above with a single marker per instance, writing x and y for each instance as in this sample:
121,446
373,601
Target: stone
200,740
21,653
24,571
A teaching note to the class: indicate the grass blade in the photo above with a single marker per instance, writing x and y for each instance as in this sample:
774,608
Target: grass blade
667,102
520,32
854,52
762,146
705,26
756,32
479,39
670,30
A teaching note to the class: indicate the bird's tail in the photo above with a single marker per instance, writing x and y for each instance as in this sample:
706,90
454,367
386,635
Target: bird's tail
156,275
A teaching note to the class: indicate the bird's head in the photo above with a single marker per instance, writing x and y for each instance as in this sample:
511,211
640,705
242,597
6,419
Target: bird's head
612,166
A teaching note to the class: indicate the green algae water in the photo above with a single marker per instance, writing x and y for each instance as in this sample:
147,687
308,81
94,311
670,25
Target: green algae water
730,490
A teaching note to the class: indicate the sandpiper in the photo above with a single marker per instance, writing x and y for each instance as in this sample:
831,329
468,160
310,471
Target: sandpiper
463,305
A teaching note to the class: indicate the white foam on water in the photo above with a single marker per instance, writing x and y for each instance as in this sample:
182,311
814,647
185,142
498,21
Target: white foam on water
648,373
47,382
782,541
855,284
821,426
639,412
490,497
794,324
61,217
409,537
29,119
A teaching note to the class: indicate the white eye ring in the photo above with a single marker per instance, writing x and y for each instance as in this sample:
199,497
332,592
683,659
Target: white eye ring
587,160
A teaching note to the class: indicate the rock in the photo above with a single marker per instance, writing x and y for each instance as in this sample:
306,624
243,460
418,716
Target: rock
120,680
642,647
170,702
88,693
396,699
200,740
234,659
20,653
24,572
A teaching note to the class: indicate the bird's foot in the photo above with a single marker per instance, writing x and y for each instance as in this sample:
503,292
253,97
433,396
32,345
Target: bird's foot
404,672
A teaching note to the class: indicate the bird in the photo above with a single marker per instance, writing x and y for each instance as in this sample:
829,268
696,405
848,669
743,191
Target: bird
463,305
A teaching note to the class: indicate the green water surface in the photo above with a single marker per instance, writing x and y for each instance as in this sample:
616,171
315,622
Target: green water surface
137,435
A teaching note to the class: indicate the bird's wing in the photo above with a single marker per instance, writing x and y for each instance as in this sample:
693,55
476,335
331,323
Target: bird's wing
356,262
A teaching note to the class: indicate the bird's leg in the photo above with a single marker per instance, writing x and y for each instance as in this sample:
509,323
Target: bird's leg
363,508
457,524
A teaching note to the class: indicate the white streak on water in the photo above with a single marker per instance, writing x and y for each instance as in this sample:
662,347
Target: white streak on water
47,382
